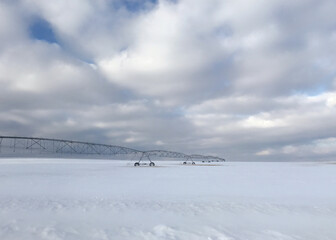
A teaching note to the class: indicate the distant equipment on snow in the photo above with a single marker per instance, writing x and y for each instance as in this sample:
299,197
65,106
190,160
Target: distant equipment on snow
46,147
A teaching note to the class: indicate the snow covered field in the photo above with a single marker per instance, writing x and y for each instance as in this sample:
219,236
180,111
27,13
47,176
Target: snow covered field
100,199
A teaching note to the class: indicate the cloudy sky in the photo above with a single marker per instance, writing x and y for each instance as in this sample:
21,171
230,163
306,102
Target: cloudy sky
245,80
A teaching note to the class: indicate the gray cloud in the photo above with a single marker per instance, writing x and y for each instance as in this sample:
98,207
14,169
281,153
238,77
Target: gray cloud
247,81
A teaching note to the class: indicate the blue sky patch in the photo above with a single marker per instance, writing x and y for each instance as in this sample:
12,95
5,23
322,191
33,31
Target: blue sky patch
313,91
135,5
40,29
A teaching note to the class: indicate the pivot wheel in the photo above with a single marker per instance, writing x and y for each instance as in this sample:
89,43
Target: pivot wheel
152,164
136,164
193,163
184,162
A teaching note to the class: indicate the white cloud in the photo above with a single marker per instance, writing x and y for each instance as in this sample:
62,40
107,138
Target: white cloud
264,152
12,28
262,121
331,100
159,143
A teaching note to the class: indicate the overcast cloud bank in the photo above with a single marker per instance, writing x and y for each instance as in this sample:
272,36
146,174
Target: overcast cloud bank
244,80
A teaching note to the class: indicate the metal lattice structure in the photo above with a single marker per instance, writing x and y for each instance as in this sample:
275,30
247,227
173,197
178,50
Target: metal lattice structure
23,146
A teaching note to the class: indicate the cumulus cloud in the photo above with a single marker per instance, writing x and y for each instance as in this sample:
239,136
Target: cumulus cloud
247,81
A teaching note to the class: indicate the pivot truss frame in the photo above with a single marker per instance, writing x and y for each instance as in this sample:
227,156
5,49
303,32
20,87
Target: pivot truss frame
10,145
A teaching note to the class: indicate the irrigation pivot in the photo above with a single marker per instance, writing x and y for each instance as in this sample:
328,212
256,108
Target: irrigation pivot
35,147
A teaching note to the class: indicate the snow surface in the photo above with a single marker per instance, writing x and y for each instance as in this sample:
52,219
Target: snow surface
101,199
